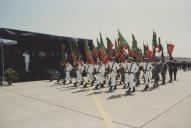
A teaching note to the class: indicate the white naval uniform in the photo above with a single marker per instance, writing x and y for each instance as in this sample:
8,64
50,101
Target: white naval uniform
68,70
114,67
100,73
130,70
147,68
89,71
79,71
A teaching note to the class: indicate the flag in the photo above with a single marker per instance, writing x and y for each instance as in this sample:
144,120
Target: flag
102,46
89,58
102,51
134,49
154,41
109,44
94,50
160,48
73,53
116,49
122,41
134,44
98,44
149,54
170,48
145,48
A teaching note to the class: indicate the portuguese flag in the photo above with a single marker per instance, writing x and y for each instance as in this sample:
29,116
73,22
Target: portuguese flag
170,48
122,41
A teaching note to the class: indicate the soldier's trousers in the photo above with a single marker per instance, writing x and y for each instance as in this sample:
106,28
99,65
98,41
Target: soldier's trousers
129,79
113,76
147,78
67,76
79,76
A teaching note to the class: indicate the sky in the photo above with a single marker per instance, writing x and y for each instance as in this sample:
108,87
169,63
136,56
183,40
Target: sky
170,19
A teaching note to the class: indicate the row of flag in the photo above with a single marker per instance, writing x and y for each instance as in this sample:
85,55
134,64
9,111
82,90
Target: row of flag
120,51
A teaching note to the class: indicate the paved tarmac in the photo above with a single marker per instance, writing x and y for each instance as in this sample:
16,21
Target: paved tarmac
43,104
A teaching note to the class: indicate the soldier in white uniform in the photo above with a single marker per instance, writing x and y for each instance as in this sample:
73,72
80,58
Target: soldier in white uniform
68,70
89,71
130,70
79,70
147,68
113,68
100,70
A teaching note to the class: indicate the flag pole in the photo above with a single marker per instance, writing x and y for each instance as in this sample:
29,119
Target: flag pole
3,67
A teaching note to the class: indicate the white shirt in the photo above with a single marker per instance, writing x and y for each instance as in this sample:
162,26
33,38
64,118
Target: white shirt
68,67
147,66
27,57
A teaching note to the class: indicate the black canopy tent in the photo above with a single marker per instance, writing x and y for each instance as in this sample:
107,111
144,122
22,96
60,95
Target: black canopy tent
34,42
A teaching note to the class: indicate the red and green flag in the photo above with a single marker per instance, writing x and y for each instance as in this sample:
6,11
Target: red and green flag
154,43
145,48
170,48
122,41
109,46
89,57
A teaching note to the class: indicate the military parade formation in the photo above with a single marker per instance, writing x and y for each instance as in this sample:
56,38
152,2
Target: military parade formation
117,68
127,74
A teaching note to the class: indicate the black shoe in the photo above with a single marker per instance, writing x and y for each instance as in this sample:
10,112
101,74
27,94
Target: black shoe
129,91
110,88
75,84
109,83
96,87
64,82
115,87
82,83
85,85
70,82
146,87
104,82
92,84
124,86
102,85
133,89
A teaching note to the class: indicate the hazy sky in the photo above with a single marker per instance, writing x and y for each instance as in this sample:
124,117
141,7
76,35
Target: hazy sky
171,19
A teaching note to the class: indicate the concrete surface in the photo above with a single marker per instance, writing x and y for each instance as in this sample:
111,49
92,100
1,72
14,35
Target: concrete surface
43,104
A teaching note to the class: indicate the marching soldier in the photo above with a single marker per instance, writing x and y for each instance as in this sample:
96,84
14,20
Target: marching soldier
100,70
130,70
175,68
79,70
156,71
163,71
147,68
62,73
137,75
89,71
170,69
68,69
113,68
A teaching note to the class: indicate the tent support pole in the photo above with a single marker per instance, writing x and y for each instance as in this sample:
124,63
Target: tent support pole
3,68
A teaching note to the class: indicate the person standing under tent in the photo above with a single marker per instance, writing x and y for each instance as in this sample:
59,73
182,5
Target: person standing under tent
27,60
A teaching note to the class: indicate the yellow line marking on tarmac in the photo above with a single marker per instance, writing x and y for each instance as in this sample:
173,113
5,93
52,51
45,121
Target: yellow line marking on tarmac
107,120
